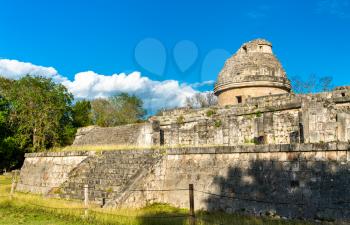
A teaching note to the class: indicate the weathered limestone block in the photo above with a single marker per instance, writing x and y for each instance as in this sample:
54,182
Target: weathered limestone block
343,122
41,173
143,134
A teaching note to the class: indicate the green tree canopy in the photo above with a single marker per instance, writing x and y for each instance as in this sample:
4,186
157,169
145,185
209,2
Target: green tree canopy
10,156
37,113
81,112
40,111
117,110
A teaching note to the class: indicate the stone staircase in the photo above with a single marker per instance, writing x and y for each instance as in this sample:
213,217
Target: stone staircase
110,176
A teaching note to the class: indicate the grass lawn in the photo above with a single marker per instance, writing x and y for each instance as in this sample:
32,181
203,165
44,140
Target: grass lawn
32,209
10,215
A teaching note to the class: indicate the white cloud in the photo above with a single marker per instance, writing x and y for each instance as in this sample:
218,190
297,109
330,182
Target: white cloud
155,94
91,85
15,69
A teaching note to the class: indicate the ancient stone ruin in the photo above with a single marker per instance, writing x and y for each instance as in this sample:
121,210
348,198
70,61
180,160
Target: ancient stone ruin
253,71
262,150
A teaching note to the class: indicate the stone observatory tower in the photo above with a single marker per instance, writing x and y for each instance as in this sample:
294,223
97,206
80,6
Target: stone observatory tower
252,72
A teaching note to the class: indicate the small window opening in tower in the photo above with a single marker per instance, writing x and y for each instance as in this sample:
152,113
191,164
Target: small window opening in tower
261,48
239,99
245,49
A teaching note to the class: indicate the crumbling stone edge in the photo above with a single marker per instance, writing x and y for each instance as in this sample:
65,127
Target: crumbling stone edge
312,147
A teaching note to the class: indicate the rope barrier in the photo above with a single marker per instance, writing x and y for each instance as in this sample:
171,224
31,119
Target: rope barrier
105,213
156,217
247,199
262,201
162,217
50,207
111,214
165,190
171,216
140,216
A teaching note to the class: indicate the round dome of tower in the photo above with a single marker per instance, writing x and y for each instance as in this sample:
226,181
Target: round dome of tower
253,71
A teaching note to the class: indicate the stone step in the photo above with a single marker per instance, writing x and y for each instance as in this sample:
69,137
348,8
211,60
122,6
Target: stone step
108,175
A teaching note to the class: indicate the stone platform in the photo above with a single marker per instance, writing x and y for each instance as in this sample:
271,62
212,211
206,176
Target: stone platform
292,180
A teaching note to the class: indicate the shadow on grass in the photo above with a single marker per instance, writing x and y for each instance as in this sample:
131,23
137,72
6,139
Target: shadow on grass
161,214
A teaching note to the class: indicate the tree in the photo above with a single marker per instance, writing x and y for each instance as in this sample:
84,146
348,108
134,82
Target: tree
103,114
201,100
325,83
117,110
129,108
10,154
311,84
40,111
81,112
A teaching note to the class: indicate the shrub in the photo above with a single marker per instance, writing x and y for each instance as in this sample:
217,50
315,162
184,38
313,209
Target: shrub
249,141
180,120
217,123
109,190
211,112
258,114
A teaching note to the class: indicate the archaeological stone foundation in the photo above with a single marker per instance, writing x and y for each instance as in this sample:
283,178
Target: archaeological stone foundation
263,150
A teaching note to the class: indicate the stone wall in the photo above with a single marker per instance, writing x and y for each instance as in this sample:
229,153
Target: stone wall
43,172
141,134
291,180
231,94
294,181
275,119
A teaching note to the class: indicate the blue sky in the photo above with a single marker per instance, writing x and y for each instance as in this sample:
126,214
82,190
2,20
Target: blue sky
112,37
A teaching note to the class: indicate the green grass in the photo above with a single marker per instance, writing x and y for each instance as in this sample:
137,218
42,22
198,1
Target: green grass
33,209
11,214
99,148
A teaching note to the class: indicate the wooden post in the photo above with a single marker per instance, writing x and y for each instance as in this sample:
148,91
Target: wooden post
192,216
103,202
13,185
86,200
